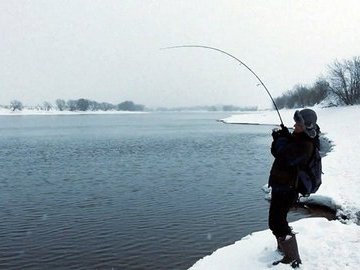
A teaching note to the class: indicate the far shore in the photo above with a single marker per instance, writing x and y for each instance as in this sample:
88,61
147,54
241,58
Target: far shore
56,112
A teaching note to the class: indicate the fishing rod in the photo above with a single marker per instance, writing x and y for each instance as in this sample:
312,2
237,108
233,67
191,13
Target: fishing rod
237,59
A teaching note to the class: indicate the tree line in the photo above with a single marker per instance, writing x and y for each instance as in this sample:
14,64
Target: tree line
81,104
342,83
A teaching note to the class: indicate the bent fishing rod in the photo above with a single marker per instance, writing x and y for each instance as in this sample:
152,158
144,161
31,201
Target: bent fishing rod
238,60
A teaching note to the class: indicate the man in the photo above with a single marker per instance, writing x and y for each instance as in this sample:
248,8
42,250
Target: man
292,153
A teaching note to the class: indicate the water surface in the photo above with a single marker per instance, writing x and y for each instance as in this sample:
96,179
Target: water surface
138,191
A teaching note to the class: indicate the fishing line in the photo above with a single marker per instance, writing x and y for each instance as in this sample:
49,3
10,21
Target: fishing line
238,60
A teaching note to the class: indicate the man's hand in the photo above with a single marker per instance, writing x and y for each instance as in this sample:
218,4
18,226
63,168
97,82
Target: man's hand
283,132
275,133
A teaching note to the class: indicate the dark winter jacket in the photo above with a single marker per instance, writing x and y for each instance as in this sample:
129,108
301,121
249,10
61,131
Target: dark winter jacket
291,153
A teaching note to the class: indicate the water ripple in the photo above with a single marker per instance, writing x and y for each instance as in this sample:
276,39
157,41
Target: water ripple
115,193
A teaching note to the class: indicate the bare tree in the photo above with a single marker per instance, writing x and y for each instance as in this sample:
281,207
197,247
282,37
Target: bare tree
61,104
16,105
72,105
47,106
82,104
345,80
319,91
301,96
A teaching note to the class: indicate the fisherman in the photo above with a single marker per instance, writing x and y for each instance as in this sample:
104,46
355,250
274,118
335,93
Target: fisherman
292,152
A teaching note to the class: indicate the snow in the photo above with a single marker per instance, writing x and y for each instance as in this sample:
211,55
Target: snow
26,111
322,244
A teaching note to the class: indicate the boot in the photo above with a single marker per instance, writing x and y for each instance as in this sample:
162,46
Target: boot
289,247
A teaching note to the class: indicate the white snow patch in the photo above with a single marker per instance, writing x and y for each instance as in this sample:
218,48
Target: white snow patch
322,245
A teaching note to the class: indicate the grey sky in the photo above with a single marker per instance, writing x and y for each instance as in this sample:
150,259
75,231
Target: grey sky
109,50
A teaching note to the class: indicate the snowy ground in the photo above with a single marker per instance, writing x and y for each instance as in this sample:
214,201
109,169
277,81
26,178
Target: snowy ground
4,111
322,244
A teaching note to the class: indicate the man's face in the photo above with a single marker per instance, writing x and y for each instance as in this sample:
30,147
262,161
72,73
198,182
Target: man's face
298,128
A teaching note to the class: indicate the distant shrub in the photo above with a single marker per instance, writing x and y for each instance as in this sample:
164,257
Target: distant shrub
343,83
302,96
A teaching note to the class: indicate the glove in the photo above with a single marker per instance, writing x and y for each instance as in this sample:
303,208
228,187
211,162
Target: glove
284,131
276,133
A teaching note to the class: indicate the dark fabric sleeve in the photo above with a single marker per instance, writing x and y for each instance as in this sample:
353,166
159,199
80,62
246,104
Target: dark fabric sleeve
293,153
278,146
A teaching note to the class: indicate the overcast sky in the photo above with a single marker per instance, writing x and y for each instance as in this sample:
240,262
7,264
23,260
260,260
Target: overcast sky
108,50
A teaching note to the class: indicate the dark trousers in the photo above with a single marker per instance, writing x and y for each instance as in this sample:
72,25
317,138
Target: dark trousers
281,201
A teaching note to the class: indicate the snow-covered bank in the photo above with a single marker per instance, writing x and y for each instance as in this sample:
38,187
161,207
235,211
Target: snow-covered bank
56,112
322,244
